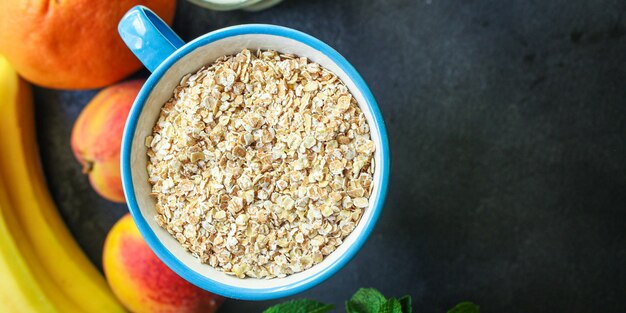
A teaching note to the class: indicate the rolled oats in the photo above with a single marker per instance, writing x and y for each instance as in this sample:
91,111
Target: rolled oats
261,164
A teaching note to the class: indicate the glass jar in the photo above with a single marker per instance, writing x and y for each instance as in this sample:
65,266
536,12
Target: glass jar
226,5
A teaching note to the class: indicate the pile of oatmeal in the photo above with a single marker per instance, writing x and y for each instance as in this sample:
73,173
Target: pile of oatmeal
261,164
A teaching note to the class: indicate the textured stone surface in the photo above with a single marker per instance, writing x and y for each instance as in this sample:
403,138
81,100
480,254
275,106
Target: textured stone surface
507,123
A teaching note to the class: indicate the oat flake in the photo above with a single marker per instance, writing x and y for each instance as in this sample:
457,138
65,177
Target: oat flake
261,164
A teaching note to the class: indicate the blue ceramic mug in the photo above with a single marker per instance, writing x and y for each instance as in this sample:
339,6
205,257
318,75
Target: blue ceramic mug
169,59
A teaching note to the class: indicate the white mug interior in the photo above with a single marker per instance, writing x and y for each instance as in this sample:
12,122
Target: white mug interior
163,91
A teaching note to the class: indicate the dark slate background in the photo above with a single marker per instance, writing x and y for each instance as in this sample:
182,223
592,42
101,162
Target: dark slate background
507,124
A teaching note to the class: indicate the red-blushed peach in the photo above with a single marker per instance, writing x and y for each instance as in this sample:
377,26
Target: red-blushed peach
97,136
142,282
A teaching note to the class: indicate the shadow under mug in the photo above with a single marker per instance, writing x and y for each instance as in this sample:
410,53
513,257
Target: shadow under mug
169,59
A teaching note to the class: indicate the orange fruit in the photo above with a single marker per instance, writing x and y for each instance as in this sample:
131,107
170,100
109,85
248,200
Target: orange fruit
70,44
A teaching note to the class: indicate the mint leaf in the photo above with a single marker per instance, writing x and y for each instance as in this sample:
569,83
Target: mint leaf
366,300
465,307
391,306
405,302
300,306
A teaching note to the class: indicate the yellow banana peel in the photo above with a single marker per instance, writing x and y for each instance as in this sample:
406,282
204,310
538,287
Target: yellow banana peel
47,271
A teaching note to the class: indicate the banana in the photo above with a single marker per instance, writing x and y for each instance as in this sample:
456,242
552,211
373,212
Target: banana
62,279
19,257
19,290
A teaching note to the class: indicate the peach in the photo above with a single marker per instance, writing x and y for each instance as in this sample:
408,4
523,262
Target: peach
97,136
142,282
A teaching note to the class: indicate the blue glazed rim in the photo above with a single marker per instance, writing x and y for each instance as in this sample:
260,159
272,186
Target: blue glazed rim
152,240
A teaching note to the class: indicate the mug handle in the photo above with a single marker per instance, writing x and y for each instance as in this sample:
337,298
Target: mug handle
148,36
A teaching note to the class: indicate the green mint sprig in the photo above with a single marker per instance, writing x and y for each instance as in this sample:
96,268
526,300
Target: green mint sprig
300,306
369,300
465,307
365,300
